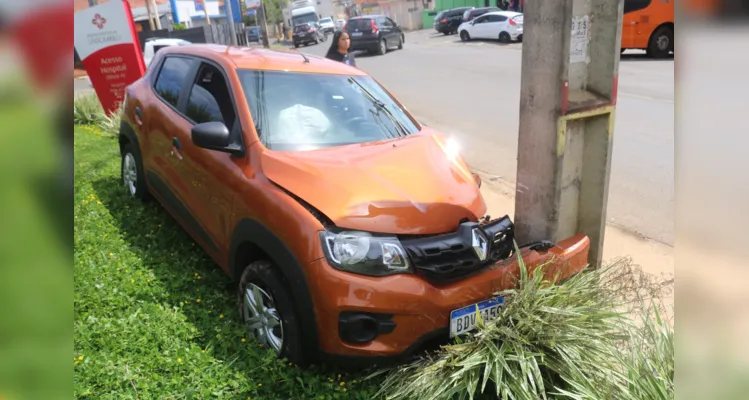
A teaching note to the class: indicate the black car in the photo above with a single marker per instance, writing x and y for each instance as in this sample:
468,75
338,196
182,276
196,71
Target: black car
471,14
374,33
307,33
448,21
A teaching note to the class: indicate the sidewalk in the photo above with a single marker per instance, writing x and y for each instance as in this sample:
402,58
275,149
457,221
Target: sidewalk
654,257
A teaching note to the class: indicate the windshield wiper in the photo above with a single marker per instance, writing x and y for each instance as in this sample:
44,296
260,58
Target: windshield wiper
380,105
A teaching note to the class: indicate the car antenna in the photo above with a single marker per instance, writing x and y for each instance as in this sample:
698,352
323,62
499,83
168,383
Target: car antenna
306,60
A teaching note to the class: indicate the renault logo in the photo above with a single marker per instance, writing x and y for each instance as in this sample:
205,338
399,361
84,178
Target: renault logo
479,243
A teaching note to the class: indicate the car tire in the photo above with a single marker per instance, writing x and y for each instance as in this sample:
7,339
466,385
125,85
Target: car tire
132,176
446,33
401,41
465,36
505,37
275,305
296,45
661,42
382,48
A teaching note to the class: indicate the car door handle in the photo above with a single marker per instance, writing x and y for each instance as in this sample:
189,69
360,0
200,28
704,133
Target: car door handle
138,116
176,143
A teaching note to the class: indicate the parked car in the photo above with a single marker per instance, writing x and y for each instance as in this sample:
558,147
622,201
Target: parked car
448,21
339,23
469,15
253,34
327,25
374,33
153,45
354,231
307,33
505,26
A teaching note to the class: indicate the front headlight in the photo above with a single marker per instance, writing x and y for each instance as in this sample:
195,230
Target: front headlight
364,253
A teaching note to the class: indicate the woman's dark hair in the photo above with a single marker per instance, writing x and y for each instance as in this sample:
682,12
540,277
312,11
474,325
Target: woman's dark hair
334,43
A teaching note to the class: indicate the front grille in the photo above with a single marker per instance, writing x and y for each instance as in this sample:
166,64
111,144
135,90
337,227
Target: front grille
449,257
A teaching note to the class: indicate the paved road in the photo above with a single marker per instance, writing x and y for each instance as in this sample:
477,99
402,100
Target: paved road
472,90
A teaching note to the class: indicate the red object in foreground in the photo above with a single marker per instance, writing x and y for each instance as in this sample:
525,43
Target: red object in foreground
110,50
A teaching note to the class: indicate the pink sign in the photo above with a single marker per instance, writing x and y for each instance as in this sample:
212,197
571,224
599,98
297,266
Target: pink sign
108,45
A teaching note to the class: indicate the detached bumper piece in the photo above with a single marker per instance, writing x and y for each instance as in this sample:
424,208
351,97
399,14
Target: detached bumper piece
449,257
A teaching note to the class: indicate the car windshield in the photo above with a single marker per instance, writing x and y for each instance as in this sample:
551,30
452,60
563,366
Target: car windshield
304,18
303,111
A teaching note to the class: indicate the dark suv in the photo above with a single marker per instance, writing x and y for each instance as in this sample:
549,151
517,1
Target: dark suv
471,14
448,21
306,34
374,33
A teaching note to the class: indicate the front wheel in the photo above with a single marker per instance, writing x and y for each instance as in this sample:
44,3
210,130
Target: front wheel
400,43
268,312
464,36
661,43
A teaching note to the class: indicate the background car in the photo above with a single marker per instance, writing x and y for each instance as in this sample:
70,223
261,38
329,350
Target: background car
253,34
374,33
505,26
448,21
153,45
305,34
327,25
471,14
340,23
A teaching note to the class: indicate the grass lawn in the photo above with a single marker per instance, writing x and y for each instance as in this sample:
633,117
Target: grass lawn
155,318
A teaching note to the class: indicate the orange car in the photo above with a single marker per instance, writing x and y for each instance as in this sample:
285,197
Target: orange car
355,232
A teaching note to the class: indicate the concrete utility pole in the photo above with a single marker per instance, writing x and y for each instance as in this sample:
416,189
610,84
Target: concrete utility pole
205,11
230,21
567,104
263,24
150,15
156,16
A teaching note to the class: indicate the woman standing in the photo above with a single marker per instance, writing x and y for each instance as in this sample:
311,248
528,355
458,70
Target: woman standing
339,46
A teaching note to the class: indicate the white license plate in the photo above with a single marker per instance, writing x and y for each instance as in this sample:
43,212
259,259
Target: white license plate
356,33
466,319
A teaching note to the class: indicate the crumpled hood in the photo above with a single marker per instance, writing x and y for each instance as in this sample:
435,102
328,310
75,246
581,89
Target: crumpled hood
409,185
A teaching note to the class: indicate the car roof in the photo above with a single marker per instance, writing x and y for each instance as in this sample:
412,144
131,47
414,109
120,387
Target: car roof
265,59
368,16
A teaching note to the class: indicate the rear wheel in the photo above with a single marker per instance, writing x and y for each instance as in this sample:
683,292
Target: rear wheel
661,42
383,48
132,173
464,36
505,37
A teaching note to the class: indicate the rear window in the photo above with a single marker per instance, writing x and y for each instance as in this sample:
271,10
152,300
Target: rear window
360,24
301,28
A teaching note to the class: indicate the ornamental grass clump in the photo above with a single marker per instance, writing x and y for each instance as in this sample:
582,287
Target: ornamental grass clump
551,341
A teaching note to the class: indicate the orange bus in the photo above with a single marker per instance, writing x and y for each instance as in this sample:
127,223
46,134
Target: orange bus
649,25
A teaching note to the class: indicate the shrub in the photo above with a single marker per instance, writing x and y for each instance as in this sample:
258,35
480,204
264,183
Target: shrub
88,111
569,340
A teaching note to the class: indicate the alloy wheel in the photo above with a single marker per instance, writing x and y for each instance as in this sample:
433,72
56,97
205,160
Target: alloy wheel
130,173
262,318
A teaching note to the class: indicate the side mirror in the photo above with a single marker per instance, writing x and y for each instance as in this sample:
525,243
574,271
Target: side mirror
214,136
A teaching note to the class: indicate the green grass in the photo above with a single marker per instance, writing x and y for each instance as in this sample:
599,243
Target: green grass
154,317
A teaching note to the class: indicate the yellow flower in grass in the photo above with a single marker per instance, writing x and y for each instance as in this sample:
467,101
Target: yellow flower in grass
179,360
